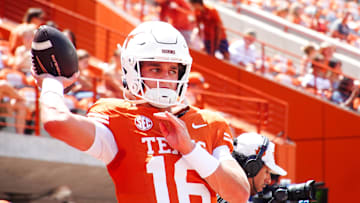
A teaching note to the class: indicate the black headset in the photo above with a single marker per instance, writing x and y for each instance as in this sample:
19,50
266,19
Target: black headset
254,163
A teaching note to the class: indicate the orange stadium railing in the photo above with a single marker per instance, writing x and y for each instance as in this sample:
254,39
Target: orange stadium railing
275,109
253,111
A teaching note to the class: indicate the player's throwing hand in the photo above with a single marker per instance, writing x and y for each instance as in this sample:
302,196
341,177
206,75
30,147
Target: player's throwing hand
64,80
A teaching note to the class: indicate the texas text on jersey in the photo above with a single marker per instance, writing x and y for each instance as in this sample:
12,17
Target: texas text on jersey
145,164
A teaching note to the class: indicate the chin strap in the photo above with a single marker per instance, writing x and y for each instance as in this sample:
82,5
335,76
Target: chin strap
253,185
133,101
182,112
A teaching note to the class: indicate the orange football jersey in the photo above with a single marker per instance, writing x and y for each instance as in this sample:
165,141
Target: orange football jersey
146,168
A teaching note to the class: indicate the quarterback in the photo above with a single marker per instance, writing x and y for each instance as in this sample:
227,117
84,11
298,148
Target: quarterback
156,148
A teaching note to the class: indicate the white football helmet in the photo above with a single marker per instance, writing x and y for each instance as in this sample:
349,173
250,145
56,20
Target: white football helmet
161,42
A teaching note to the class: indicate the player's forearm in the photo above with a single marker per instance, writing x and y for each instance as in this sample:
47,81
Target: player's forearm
225,177
59,122
75,130
53,107
54,113
230,182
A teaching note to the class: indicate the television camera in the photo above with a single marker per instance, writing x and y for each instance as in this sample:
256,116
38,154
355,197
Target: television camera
301,192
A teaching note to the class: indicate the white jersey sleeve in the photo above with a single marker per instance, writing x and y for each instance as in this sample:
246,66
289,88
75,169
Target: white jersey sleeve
104,146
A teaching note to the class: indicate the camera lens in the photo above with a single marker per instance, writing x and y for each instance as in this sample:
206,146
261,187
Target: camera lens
302,191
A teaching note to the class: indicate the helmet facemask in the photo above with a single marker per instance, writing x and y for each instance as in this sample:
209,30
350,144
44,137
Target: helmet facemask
157,96
149,44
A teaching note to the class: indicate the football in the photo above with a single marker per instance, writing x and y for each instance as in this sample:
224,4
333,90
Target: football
53,53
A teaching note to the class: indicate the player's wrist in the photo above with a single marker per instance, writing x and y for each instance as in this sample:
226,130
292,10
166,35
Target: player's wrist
52,85
188,149
203,162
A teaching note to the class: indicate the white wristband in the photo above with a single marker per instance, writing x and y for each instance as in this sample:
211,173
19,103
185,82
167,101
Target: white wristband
52,85
202,161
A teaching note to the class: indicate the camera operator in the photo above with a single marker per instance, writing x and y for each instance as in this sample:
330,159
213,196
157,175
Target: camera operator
255,154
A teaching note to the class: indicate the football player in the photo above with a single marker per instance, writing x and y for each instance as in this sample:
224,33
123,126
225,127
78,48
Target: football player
156,148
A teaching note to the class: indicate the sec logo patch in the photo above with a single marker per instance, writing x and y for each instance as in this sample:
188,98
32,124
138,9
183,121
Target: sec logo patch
143,123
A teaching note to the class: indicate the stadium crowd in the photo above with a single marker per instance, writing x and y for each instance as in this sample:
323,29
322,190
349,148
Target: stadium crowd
318,72
17,87
335,18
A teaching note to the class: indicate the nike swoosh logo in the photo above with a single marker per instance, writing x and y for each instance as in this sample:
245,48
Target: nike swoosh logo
198,126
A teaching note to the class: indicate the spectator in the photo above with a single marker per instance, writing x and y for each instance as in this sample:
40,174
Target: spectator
29,95
356,102
346,93
12,102
32,16
326,54
14,77
269,6
285,73
5,55
322,16
327,51
243,52
153,139
85,80
71,36
310,52
342,29
23,57
334,73
316,81
331,12
195,40
19,97
318,22
213,31
179,14
282,11
90,81
295,15
84,90
255,154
